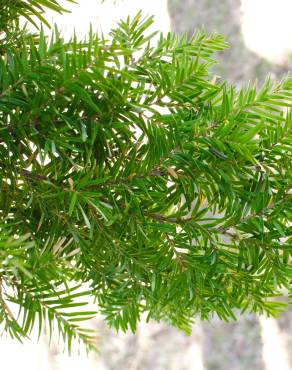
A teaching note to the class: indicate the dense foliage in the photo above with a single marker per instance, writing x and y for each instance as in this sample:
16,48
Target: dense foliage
127,166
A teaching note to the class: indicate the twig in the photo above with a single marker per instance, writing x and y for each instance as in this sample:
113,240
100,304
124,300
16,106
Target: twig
4,304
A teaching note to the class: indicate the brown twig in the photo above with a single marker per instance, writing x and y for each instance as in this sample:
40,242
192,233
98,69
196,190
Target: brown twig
4,304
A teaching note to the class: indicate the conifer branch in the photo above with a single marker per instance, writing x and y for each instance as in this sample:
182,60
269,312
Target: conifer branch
127,166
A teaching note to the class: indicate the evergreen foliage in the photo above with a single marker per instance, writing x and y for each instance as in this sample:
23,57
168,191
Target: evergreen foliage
127,166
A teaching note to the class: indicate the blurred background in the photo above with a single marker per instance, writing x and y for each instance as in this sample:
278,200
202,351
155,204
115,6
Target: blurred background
260,36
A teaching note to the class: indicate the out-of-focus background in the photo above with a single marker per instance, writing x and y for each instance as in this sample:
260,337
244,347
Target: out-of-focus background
260,35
